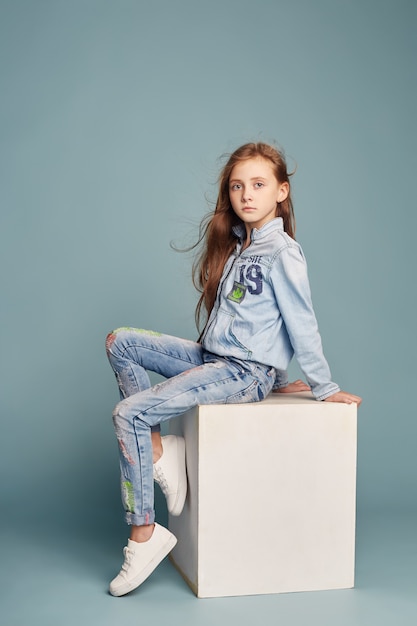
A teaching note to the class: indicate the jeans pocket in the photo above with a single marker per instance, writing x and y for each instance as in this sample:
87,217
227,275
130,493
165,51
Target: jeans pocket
251,393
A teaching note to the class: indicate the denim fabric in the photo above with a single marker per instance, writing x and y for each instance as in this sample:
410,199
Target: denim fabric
194,376
263,311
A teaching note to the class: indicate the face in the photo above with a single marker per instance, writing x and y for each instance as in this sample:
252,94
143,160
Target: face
254,192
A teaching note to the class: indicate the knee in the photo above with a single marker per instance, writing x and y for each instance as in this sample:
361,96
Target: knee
116,340
119,414
125,412
128,418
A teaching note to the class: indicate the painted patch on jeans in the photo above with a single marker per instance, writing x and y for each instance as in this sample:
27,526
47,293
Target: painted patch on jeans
139,331
125,453
238,292
109,340
128,496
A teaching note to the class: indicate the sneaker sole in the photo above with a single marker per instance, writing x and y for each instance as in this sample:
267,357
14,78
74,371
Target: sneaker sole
182,480
122,590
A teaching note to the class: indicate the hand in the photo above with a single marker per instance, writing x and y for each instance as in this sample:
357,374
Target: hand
297,385
345,397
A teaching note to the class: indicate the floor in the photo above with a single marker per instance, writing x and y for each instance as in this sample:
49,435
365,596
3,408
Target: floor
48,580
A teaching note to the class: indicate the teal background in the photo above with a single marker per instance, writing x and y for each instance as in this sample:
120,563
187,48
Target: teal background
113,118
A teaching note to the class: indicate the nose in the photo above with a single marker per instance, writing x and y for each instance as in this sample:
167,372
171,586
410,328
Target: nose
246,195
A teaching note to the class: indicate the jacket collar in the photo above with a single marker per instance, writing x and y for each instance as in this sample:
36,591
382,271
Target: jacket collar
275,224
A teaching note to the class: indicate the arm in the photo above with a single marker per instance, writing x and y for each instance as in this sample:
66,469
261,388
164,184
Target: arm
292,291
293,296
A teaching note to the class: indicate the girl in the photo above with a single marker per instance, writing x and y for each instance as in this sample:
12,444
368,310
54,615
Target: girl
254,288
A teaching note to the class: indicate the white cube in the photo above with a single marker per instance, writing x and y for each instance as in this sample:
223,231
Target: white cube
271,500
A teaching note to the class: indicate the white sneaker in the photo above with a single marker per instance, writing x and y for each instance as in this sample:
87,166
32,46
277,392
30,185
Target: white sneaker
170,474
141,559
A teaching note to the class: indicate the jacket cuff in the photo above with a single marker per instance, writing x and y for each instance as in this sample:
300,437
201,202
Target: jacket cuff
324,391
281,379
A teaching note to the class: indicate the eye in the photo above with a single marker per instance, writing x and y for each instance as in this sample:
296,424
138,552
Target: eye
235,187
258,185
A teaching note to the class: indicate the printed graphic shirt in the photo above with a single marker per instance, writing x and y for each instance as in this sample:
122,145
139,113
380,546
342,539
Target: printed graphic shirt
263,310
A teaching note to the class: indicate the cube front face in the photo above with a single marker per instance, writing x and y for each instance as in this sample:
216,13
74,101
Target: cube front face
271,504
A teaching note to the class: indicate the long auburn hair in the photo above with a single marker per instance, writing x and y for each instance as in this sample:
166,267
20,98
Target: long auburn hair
216,228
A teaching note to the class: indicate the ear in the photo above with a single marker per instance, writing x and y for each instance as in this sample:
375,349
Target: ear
284,190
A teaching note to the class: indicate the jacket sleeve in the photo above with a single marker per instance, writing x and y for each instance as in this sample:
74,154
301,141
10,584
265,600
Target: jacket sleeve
292,291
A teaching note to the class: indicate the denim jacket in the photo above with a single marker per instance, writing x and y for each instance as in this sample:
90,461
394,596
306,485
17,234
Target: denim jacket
263,310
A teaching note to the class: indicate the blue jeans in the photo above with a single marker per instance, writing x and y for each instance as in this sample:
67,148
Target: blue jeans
194,376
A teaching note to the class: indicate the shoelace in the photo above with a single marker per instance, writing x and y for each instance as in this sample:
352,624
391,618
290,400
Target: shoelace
160,478
128,554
